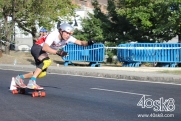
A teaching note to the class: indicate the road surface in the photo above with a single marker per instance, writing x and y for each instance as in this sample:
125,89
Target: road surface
76,98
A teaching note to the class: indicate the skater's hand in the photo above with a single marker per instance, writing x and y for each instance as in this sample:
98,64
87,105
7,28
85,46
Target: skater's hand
62,53
91,41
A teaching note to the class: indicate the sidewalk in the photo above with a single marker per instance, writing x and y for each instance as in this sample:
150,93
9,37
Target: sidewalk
154,74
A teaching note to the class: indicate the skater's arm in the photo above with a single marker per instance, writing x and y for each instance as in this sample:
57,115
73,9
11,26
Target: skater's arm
48,49
85,43
82,43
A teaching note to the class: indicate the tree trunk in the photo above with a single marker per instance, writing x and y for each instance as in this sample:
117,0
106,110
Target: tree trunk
7,45
7,49
34,37
0,45
34,40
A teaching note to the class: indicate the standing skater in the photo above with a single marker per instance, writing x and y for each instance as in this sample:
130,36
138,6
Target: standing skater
52,43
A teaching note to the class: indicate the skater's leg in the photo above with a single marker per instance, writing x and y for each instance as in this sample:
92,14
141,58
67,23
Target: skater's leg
39,72
42,62
28,75
32,82
36,52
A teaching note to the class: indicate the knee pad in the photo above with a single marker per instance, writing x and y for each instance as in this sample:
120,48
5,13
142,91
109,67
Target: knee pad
42,74
45,63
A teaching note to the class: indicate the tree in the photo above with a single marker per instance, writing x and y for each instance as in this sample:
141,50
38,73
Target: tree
159,20
31,14
92,26
6,25
110,27
96,26
120,30
43,13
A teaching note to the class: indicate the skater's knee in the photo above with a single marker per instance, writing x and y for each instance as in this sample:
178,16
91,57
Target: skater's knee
42,74
46,62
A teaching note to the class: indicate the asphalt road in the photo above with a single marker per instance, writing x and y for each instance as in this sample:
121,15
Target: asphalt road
75,98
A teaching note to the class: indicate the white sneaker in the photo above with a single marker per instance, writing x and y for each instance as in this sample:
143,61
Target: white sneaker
19,81
32,85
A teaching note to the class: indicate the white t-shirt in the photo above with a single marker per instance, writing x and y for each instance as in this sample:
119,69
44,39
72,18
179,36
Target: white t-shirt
54,42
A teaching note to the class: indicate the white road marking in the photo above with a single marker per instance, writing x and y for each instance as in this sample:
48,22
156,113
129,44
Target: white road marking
119,91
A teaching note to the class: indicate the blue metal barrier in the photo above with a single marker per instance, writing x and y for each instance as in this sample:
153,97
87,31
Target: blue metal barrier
134,54
93,54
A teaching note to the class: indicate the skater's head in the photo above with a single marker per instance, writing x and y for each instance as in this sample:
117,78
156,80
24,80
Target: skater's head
65,30
43,32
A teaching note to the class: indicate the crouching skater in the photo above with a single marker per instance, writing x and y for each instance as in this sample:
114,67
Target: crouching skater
52,43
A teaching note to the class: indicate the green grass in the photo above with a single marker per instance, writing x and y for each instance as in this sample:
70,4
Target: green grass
171,72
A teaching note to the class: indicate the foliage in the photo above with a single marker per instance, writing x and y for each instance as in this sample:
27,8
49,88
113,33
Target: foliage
125,20
137,21
109,27
95,26
29,15
159,20
110,52
43,13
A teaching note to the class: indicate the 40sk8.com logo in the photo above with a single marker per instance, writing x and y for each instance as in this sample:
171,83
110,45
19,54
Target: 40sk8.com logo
157,105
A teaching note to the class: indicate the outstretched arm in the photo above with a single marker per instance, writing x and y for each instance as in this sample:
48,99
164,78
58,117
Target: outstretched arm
85,43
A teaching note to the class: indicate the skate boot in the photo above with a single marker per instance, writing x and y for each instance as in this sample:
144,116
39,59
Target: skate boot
19,81
32,85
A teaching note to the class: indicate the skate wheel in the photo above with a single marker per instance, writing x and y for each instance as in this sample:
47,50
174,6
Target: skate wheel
43,94
15,91
34,94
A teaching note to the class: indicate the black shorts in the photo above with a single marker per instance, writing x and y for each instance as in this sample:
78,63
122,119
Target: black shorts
36,51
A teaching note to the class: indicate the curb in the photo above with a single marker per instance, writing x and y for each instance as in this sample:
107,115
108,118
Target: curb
119,76
114,74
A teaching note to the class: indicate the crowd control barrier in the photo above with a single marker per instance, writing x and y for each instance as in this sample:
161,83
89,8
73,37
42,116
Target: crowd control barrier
168,54
93,54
